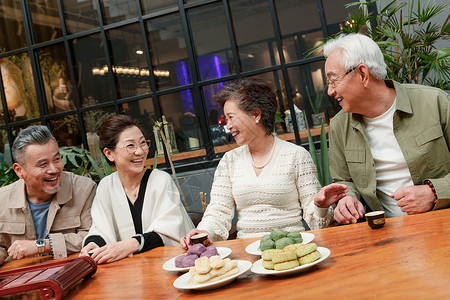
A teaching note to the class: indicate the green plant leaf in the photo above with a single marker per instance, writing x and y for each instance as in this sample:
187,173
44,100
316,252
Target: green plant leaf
324,158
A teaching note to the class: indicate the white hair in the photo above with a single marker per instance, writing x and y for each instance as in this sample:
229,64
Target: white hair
358,49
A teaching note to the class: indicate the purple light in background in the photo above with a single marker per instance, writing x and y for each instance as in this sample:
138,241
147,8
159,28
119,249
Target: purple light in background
183,79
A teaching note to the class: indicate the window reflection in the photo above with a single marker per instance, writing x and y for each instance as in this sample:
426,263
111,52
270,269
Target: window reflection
311,76
66,130
130,66
19,87
118,10
213,54
335,14
300,27
180,113
216,117
91,73
45,18
253,30
168,51
55,73
150,6
12,33
93,121
80,15
144,111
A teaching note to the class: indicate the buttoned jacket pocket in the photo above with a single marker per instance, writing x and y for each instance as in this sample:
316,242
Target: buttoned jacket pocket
433,146
12,228
66,224
356,162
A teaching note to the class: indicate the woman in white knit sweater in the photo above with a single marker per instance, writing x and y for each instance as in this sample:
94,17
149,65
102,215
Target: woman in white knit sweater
271,182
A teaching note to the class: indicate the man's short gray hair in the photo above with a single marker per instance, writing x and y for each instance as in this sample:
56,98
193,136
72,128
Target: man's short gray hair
36,134
358,49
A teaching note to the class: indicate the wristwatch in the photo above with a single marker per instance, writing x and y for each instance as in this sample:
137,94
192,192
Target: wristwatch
40,243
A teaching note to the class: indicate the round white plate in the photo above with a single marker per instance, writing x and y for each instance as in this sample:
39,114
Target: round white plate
182,281
170,264
259,269
253,248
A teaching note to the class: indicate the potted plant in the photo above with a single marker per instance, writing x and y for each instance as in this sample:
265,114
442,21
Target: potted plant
318,117
407,36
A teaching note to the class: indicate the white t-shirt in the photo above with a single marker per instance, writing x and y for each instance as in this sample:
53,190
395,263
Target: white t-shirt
391,169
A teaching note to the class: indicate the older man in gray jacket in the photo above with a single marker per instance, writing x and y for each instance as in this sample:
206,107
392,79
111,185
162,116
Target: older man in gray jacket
47,211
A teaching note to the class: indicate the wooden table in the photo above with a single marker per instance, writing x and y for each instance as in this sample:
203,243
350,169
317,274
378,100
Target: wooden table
409,258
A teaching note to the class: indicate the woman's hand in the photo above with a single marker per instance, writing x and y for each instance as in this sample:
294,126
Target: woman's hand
85,250
185,242
330,194
115,251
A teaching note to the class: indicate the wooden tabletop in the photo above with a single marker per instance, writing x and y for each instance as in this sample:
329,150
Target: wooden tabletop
409,258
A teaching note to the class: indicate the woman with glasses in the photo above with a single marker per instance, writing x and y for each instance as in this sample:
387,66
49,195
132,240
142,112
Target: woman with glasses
135,209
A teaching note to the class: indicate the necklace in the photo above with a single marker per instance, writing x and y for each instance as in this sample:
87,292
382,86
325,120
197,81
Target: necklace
266,162
134,194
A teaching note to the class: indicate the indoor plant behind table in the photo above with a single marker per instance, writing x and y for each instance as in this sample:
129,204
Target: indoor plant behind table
318,117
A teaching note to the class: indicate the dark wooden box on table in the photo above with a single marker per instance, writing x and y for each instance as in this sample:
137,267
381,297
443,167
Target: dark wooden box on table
52,279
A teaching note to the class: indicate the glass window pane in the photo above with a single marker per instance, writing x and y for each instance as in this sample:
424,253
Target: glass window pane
118,10
57,84
80,15
19,87
5,149
311,76
151,6
168,51
213,54
254,33
130,64
46,22
179,111
300,27
93,121
90,69
66,130
144,111
216,117
335,14
12,33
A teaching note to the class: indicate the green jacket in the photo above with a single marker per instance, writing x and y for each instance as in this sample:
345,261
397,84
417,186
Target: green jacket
422,129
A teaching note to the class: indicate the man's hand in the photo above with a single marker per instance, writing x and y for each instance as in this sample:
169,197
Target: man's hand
23,248
185,242
348,210
330,194
115,251
414,199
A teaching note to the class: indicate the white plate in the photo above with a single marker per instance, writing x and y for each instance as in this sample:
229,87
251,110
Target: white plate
259,269
253,248
170,264
182,281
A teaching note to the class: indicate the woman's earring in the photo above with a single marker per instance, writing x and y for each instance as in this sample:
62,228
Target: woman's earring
257,121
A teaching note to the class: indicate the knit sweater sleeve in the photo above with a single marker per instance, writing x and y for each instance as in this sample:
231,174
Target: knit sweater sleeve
218,217
308,186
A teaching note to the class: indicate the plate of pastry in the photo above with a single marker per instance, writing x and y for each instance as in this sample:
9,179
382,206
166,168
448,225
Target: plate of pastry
216,275
284,264
253,248
183,262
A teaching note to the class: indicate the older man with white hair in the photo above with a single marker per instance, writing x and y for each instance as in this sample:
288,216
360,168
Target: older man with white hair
390,142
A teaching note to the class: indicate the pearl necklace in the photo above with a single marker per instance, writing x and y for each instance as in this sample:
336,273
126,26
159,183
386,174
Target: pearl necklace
266,162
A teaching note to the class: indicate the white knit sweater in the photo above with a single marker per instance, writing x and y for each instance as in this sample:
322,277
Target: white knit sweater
279,197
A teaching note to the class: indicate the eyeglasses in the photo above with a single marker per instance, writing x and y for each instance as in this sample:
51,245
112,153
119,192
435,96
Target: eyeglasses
332,82
131,147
